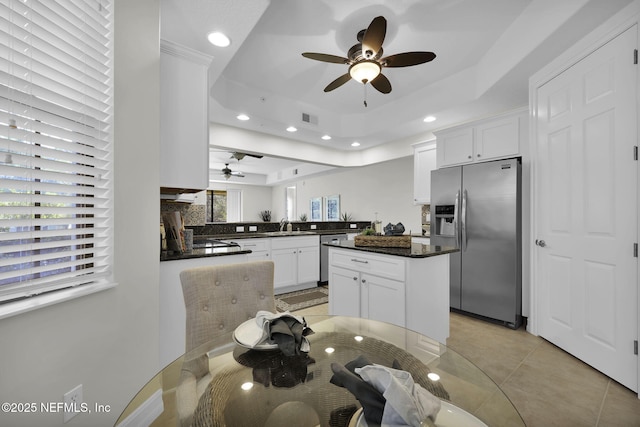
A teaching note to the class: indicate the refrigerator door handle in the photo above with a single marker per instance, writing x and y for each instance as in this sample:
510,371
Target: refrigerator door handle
455,219
464,220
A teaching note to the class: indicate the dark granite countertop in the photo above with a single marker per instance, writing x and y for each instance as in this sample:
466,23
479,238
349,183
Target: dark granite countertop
269,234
201,253
417,250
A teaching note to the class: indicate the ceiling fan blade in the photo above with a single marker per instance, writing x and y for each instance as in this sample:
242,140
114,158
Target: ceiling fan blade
374,36
334,59
240,155
338,82
381,83
407,59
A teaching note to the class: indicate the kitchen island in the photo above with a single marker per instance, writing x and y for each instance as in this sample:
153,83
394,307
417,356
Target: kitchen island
408,287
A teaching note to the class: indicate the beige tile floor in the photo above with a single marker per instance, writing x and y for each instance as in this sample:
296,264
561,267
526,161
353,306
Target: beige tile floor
548,386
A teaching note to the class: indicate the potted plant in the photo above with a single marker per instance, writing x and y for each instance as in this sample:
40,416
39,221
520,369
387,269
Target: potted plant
303,217
266,216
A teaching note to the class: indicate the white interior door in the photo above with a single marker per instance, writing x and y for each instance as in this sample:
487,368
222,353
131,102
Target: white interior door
586,210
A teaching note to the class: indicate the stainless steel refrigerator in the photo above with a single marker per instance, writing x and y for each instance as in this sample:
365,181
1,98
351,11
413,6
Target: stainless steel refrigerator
477,209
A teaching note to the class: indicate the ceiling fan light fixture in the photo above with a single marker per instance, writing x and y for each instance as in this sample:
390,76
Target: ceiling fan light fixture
364,71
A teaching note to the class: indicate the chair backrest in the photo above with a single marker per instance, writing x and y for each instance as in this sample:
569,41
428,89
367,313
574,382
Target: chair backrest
219,298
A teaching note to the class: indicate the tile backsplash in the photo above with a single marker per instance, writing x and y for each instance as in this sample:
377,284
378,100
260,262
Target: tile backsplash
194,215
426,220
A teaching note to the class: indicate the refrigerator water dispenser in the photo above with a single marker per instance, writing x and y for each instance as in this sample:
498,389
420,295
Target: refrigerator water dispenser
444,221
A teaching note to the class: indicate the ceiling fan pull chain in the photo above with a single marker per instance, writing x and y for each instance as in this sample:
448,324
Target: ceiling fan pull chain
365,94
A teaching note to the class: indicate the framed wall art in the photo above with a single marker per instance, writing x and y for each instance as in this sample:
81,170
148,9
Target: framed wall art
315,207
332,208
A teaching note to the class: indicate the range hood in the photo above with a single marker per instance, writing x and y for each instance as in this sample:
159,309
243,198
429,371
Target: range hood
179,197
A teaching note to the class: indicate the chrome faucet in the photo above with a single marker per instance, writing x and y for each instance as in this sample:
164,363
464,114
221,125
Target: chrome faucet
283,222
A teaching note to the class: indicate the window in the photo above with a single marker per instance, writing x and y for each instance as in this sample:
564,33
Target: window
224,206
55,147
216,206
290,203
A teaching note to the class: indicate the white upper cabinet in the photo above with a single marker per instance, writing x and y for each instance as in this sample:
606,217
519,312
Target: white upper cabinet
184,113
424,161
495,138
454,146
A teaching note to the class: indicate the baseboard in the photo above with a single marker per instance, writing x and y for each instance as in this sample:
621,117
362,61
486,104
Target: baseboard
146,413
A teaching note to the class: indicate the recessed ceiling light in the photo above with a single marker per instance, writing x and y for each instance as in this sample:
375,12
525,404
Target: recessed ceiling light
218,39
291,129
242,117
326,137
429,119
355,144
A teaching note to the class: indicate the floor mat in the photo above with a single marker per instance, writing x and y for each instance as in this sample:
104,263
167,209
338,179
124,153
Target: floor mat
302,299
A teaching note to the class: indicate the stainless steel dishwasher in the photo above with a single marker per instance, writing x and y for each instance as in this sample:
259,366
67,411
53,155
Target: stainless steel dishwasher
324,254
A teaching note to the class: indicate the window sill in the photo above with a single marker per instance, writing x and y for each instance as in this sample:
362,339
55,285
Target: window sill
40,301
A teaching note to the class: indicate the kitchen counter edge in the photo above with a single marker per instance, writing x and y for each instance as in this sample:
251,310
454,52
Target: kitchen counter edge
417,250
202,253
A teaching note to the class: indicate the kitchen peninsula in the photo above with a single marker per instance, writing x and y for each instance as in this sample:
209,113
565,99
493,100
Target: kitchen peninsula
408,287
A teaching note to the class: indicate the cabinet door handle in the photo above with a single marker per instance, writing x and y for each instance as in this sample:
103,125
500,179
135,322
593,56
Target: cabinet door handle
364,280
359,260
355,278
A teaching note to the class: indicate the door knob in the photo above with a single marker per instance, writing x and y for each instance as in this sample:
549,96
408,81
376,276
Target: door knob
541,243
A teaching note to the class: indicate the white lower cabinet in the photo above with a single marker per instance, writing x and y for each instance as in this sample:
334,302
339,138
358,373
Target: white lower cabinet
404,291
285,268
260,248
358,294
296,262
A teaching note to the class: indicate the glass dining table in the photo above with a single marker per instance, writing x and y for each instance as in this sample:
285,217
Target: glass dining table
223,383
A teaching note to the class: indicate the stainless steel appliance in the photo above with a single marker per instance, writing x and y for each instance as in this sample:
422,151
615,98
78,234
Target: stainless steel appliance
478,210
324,254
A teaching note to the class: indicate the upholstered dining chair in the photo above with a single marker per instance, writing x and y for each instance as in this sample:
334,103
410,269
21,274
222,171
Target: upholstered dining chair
217,300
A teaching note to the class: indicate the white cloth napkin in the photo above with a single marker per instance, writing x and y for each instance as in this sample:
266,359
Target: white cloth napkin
407,403
260,334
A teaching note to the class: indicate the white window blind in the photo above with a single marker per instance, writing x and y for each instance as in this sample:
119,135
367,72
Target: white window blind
55,145
234,205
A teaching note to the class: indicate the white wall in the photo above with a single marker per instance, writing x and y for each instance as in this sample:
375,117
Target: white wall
386,188
255,198
107,341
